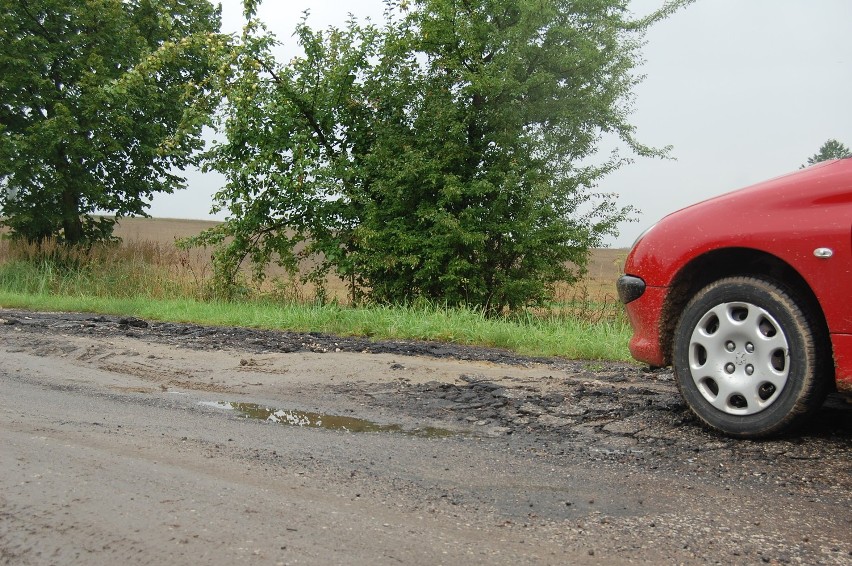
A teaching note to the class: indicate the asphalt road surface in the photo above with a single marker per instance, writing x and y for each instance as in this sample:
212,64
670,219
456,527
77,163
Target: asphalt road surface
128,442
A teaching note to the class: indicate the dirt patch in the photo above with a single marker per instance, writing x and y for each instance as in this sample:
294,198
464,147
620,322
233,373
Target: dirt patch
512,459
605,411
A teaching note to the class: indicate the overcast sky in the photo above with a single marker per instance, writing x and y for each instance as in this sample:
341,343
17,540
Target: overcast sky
743,90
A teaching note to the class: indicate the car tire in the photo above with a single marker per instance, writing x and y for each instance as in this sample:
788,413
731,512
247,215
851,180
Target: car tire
749,359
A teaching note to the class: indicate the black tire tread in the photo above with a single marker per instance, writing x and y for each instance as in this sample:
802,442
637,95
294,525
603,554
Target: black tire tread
812,387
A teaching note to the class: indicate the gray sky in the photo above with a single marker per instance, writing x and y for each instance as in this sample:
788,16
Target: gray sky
744,90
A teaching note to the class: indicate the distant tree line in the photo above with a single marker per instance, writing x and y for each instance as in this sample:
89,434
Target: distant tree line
832,149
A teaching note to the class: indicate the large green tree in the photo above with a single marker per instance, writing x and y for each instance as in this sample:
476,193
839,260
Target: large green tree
101,106
831,149
447,155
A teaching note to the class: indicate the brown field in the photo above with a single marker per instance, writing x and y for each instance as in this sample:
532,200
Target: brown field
148,264
160,230
606,264
599,284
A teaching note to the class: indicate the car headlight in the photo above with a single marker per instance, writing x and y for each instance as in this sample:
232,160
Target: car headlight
630,288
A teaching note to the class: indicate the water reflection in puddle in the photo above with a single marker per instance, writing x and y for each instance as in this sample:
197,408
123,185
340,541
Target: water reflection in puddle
317,420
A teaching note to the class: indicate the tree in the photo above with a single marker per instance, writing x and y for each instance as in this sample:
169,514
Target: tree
103,102
832,149
447,155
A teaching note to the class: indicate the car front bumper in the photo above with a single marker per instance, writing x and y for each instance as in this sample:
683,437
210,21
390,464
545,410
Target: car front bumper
645,315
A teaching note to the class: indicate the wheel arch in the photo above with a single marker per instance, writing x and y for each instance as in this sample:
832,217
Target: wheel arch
733,262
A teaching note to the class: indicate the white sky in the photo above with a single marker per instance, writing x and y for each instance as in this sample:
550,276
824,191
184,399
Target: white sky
744,90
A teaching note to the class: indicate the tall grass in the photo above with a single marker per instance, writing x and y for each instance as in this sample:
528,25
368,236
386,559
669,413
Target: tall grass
140,269
158,282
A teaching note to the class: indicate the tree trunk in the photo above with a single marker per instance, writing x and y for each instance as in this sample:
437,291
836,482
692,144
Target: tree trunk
72,226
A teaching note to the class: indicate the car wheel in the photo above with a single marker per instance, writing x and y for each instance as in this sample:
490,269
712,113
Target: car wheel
748,358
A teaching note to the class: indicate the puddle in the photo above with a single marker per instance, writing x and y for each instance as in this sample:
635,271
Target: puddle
317,420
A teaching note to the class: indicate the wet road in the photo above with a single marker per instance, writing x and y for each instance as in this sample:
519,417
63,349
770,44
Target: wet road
122,445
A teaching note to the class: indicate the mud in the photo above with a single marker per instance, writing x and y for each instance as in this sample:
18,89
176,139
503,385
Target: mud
676,488
586,402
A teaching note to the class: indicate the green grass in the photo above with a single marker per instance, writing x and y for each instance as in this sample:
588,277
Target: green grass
158,284
534,336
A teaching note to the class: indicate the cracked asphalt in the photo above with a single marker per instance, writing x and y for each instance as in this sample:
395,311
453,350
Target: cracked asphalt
145,441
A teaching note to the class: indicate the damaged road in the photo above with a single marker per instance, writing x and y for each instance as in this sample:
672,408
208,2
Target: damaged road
151,442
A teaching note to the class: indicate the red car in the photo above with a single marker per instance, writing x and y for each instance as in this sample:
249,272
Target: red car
749,297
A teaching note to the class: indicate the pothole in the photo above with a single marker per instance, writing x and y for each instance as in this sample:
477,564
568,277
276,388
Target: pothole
308,419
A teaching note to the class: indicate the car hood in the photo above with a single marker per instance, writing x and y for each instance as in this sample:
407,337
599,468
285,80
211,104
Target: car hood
816,185
748,217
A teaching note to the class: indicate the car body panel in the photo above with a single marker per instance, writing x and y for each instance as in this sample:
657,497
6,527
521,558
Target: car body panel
789,218
842,346
643,316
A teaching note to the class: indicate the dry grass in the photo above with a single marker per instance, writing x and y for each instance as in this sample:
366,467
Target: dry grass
142,269
153,266
278,284
598,285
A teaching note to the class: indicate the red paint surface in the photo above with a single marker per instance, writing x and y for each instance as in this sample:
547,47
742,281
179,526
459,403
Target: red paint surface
787,217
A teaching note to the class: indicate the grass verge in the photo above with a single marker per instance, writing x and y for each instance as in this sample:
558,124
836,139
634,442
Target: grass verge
157,282
532,336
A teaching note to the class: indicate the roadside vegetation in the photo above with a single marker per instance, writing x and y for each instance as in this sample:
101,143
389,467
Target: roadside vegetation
157,281
429,176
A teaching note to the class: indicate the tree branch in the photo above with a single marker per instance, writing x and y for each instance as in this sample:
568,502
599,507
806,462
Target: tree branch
304,108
